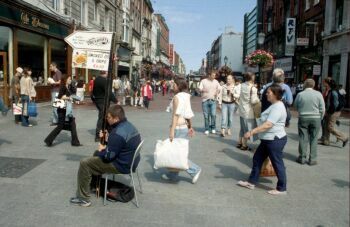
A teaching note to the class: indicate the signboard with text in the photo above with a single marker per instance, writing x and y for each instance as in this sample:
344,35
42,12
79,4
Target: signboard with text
316,70
302,41
290,37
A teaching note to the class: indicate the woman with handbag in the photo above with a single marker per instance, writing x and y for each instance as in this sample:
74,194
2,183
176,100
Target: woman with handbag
181,127
273,138
64,95
227,103
26,84
248,97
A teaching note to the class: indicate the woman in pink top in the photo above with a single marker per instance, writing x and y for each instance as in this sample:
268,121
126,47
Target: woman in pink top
146,92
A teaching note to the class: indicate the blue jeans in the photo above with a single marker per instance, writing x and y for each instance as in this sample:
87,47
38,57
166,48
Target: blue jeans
274,150
3,108
227,115
54,110
193,168
209,112
25,118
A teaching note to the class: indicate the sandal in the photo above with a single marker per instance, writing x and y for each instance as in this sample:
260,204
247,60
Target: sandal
239,145
246,184
276,192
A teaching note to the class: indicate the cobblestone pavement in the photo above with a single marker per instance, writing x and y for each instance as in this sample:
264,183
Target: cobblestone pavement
317,195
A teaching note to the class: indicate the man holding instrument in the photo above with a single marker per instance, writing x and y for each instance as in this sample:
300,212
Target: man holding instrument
115,157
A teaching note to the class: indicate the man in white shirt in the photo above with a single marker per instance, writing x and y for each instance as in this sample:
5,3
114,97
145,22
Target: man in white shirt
209,89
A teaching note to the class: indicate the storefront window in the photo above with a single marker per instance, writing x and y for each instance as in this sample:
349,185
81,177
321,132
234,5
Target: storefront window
4,45
31,52
58,54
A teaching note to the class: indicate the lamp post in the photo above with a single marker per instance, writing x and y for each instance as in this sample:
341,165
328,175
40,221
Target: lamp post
261,39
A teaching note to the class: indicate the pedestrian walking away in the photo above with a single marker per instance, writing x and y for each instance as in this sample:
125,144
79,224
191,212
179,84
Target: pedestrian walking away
311,108
273,139
55,86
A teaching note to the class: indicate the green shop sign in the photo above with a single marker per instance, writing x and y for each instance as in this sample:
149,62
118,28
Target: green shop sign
38,23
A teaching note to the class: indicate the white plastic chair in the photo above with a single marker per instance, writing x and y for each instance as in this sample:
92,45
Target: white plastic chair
131,174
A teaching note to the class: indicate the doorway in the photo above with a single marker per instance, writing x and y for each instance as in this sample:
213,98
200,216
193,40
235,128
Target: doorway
4,88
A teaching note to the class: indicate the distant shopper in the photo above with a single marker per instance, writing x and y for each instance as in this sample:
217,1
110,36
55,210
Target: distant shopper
64,94
248,97
80,90
273,138
91,84
227,105
334,105
16,90
55,86
311,108
26,84
209,89
98,95
147,93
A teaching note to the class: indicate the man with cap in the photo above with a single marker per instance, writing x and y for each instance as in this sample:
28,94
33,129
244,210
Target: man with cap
15,92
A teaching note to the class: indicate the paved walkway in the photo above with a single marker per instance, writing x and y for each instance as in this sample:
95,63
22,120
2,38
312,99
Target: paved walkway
317,195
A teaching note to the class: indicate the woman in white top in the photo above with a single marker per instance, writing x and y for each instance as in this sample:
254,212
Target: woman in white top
273,138
27,88
181,126
248,97
227,100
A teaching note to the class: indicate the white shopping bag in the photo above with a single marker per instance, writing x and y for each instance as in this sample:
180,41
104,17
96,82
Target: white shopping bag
171,154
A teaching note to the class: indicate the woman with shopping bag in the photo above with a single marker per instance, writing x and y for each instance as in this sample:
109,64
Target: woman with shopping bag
181,127
64,108
26,84
273,138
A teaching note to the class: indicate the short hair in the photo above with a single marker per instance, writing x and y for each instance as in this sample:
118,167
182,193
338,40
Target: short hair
26,70
309,83
53,64
276,89
116,111
278,75
181,84
248,76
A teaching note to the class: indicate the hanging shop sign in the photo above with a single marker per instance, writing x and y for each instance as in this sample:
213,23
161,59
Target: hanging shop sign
302,41
316,70
91,49
286,64
290,37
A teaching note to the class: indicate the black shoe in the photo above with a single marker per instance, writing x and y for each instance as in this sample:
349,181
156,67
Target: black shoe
49,144
80,202
345,142
312,163
300,161
337,123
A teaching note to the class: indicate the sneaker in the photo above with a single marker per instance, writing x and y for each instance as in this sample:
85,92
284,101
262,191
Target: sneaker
213,131
195,177
206,132
229,132
246,184
80,202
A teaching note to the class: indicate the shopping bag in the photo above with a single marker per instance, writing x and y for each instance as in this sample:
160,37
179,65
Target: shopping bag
267,169
171,154
32,109
17,108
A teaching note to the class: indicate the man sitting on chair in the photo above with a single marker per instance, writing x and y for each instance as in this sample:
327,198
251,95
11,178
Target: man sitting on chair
116,157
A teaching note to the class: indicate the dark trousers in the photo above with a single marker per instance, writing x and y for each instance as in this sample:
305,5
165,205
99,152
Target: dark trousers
146,101
274,150
60,126
99,105
24,116
18,118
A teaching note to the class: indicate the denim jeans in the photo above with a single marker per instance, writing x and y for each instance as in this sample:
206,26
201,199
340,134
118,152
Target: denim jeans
54,110
25,118
193,168
227,115
2,106
274,150
209,112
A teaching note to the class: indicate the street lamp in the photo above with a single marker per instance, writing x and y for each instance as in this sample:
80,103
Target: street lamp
261,39
225,60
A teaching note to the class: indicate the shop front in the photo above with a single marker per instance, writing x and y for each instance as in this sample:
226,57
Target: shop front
286,64
30,38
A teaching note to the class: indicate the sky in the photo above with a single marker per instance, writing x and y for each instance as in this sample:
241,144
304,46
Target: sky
195,24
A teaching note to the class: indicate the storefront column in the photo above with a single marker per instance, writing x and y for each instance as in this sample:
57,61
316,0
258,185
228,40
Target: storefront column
15,48
325,66
343,68
10,56
47,58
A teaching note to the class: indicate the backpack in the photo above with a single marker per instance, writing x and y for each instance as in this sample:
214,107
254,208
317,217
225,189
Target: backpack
341,100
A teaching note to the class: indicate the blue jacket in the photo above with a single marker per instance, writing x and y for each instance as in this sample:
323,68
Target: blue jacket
122,143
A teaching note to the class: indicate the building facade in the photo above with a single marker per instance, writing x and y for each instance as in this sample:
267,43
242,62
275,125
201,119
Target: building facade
164,40
250,32
336,43
147,11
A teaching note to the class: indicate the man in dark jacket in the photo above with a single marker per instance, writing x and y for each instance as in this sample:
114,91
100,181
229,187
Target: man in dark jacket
98,96
116,157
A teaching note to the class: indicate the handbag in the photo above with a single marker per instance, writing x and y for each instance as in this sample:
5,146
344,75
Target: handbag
255,106
17,108
59,103
32,109
171,154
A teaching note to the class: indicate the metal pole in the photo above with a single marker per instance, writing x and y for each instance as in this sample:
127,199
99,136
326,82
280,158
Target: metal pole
108,88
